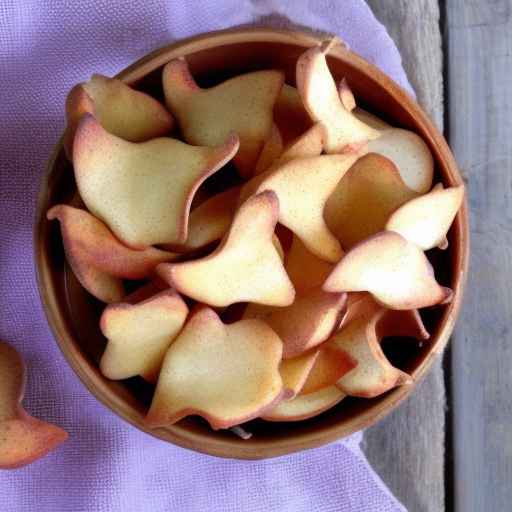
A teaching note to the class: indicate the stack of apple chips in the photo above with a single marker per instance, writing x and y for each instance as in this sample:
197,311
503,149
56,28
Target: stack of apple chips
319,240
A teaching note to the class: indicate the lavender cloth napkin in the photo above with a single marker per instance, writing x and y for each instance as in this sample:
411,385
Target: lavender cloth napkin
108,466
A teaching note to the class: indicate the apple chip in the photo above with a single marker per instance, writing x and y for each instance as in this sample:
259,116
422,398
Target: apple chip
23,438
309,321
307,406
88,240
321,99
246,267
425,220
359,341
329,367
295,371
373,373
290,115
346,95
363,200
121,110
98,283
244,105
303,186
210,220
305,270
142,191
140,334
370,119
271,151
393,270
393,323
308,144
227,374
410,154
358,303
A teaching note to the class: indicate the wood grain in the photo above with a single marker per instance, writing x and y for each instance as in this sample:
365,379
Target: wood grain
407,448
479,40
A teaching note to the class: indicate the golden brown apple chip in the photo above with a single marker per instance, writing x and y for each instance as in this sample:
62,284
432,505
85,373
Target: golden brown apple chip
364,199
295,371
121,110
307,406
210,221
359,341
410,154
140,334
393,270
321,99
309,321
246,267
303,186
227,374
425,221
244,105
142,191
23,438
290,115
305,270
87,240
271,151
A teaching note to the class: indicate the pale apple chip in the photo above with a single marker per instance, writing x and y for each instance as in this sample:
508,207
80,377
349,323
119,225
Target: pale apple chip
142,191
425,220
373,374
271,151
308,144
305,270
307,406
303,186
321,99
210,221
393,270
309,321
371,119
227,374
23,438
277,244
364,199
87,240
290,115
393,323
121,110
410,154
243,104
295,372
358,303
100,284
360,340
245,267
139,335
329,367
346,95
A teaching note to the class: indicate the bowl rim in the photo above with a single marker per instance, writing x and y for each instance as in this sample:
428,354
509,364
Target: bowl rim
233,447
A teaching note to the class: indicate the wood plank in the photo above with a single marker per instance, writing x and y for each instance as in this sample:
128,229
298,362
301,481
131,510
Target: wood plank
407,448
479,35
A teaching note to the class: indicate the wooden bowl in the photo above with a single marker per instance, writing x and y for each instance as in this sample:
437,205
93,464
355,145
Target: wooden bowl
73,314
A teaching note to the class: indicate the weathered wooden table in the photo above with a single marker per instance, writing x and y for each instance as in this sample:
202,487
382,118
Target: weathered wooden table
449,447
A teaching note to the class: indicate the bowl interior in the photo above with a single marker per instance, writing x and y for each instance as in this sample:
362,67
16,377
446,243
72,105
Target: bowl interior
73,314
